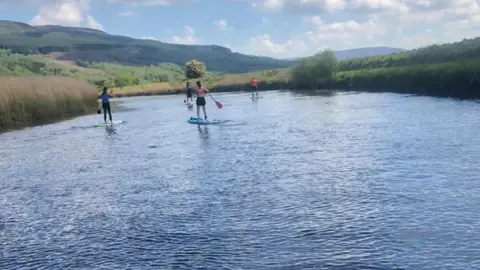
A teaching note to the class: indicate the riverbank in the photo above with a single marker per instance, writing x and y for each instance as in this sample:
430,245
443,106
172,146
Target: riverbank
453,79
31,101
268,80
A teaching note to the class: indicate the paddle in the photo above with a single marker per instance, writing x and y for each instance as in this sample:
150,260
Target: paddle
219,105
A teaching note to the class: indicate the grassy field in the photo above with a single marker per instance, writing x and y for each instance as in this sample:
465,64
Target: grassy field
34,100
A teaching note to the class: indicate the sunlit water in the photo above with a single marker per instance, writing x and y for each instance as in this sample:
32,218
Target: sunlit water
343,181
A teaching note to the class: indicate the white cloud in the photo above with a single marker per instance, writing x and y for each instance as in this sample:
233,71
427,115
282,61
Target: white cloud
189,37
265,20
75,12
92,23
316,6
149,38
125,14
265,45
149,2
66,13
221,24
396,23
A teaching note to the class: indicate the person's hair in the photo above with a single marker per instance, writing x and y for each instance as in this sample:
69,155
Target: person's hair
199,83
104,89
188,83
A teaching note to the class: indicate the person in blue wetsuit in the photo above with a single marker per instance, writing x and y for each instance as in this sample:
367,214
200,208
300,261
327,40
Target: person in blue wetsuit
106,104
189,91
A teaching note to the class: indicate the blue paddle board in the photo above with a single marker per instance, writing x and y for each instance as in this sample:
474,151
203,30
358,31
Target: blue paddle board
199,121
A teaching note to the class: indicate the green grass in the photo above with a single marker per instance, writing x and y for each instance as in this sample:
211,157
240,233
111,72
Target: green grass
133,80
454,78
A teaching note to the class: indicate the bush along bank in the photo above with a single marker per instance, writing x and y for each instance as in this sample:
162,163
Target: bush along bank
456,80
31,101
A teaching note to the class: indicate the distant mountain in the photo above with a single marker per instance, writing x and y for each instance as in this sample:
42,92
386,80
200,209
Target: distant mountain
73,43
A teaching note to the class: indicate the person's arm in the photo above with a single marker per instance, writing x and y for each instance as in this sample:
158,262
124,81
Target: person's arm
111,93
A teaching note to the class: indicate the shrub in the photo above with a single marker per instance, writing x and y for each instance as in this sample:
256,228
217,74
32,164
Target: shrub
195,69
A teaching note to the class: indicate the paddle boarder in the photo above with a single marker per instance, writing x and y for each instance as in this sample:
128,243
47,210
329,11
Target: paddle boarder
189,91
253,82
106,104
201,91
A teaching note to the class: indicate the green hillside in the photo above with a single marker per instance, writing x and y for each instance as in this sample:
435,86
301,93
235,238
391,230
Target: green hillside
464,50
96,46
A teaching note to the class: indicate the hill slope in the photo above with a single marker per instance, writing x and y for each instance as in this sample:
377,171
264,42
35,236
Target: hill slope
73,43
97,46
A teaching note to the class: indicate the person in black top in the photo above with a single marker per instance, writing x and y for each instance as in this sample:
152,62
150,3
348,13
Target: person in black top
189,93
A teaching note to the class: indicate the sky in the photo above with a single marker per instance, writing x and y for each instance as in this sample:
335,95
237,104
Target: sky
276,28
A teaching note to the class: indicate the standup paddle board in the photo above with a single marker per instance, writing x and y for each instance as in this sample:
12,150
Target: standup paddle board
199,121
108,123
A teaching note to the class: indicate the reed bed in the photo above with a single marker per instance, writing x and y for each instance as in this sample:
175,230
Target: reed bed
35,100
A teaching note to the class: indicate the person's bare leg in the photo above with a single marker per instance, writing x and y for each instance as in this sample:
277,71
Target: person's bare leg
198,112
204,112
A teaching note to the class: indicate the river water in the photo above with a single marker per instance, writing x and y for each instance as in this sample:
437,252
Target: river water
291,181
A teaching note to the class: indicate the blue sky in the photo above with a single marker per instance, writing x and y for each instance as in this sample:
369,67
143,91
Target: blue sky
277,28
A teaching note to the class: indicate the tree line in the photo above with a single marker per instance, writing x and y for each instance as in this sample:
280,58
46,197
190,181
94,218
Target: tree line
451,70
434,54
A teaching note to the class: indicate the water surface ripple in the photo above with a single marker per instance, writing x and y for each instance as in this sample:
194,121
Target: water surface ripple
291,181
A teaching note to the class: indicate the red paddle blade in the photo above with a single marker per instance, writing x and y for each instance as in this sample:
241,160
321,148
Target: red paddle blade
219,105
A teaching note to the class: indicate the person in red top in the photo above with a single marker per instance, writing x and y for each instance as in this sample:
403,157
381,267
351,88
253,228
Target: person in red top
201,91
254,86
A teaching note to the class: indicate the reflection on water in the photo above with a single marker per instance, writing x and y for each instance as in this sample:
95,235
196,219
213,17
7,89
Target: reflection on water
318,93
203,131
111,130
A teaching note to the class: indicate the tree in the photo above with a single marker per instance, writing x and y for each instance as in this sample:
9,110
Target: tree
195,69
316,70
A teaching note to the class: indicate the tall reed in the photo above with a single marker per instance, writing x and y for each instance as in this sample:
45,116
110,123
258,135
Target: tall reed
35,100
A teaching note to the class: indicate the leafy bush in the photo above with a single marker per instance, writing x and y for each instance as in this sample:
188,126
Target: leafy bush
316,70
455,79
195,69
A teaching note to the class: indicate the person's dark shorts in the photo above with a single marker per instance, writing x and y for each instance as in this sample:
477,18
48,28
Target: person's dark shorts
106,107
201,101
254,88
189,94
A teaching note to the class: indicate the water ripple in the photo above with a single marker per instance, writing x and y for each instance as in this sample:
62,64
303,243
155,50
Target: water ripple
341,181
